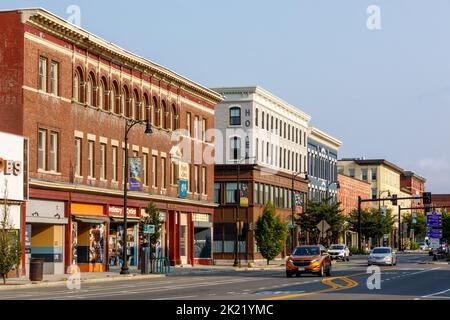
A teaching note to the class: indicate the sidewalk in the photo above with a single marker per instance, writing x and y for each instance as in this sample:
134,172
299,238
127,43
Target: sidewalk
227,266
85,277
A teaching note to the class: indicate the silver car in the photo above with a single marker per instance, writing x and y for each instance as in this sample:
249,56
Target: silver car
382,256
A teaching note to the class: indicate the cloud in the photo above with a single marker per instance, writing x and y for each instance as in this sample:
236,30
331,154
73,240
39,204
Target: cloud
434,165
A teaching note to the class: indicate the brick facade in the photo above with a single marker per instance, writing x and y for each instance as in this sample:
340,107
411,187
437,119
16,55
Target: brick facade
349,190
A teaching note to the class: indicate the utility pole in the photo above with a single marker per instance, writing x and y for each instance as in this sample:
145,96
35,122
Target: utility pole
359,224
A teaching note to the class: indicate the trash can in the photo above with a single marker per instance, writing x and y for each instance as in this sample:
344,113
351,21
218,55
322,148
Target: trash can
37,269
145,260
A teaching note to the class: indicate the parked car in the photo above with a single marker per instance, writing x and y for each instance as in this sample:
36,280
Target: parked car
339,251
382,256
424,246
312,259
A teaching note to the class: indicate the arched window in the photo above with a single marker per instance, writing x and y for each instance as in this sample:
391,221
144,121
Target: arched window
125,101
103,95
78,85
235,116
91,90
146,112
136,106
155,119
164,115
235,148
174,117
113,98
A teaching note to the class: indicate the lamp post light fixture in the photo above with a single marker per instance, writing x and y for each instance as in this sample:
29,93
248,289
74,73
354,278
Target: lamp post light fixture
294,176
237,259
130,123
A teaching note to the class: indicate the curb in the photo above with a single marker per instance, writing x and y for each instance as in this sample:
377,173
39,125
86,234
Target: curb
63,282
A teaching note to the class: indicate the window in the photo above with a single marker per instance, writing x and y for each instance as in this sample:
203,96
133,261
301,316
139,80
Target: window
76,86
172,173
42,148
91,159
374,174
235,116
154,172
235,147
257,149
145,169
43,74
155,118
351,172
103,161
281,128
300,137
188,124
204,130
189,175
163,173
255,193
54,78
135,106
174,117
262,120
54,151
114,163
216,192
114,96
374,193
196,123
101,96
266,193
196,186
203,180
267,123
78,157
256,117
90,93
364,174
231,192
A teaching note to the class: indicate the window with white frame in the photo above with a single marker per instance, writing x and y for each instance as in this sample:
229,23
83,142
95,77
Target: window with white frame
103,161
43,74
42,149
91,163
54,78
114,163
54,151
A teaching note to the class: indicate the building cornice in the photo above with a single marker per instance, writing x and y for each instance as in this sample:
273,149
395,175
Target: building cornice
324,137
264,95
54,25
116,193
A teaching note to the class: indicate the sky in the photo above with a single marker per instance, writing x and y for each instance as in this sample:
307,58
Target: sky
384,92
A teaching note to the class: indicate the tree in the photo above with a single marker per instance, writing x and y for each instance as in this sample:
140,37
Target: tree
270,233
373,223
152,217
323,210
420,227
10,246
445,226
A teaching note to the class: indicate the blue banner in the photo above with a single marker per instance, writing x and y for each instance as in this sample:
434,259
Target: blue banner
135,174
183,188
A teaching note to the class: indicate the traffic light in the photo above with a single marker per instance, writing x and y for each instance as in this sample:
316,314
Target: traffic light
427,198
394,200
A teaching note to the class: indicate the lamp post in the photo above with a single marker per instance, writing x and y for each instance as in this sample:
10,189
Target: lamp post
130,123
237,259
379,208
294,176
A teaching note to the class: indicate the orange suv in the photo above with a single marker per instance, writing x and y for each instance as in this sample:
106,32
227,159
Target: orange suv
309,259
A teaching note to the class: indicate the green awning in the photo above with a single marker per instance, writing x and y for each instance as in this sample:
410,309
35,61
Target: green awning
91,220
129,219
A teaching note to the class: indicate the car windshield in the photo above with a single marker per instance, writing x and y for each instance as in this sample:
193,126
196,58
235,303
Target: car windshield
307,251
381,250
337,247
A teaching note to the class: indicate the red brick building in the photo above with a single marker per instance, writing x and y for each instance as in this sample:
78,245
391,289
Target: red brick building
413,183
70,93
441,200
348,192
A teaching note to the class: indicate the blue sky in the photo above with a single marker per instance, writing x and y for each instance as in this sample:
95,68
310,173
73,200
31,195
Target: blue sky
384,93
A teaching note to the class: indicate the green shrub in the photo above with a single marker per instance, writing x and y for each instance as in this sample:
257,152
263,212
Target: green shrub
355,250
415,246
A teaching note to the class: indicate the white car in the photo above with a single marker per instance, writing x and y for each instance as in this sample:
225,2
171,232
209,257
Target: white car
382,256
339,251
424,246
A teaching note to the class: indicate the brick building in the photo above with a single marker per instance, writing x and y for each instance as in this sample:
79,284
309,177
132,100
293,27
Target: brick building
70,94
415,184
349,190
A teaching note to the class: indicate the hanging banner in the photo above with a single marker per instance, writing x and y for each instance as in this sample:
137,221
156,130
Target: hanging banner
243,199
135,174
298,202
183,188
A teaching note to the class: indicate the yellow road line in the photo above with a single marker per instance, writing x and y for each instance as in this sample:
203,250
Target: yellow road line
329,282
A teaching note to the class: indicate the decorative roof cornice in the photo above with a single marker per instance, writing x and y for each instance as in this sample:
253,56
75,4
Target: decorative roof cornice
324,137
265,95
54,25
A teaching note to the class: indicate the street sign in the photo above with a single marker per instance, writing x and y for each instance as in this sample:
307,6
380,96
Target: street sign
323,227
434,233
434,219
434,243
383,211
292,226
149,229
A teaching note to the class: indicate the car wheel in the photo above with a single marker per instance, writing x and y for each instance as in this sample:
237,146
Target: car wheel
321,272
329,271
348,258
289,274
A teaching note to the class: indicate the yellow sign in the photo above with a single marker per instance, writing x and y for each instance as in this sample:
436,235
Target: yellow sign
183,171
244,202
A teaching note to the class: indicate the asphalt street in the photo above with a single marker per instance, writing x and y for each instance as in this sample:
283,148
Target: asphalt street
411,279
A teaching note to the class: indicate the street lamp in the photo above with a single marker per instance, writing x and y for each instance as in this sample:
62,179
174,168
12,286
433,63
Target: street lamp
130,123
237,259
294,175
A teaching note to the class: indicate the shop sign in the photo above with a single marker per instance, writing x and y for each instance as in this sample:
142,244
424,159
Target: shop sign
183,188
28,239
149,229
135,174
183,171
11,167
118,211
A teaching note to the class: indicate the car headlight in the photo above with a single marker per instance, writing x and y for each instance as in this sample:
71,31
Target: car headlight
289,261
315,260
387,258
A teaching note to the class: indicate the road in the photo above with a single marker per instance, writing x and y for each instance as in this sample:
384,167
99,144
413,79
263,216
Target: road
408,280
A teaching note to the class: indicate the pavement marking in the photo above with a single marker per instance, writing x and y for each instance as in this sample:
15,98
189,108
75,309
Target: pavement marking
436,294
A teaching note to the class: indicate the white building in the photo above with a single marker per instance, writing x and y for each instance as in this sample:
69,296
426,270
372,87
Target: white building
256,124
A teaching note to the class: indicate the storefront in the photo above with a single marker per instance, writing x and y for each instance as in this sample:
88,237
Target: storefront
115,238
89,225
202,238
45,229
13,190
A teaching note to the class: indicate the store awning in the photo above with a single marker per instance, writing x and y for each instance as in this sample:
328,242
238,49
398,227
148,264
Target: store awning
92,220
129,219
46,220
